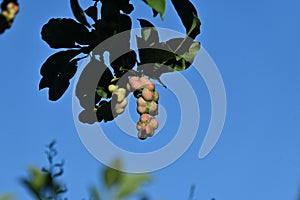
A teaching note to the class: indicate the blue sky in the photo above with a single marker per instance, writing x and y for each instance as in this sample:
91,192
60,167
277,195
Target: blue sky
255,45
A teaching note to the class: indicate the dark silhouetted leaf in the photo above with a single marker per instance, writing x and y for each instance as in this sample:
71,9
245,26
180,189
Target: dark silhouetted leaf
176,54
124,63
125,6
110,9
104,111
65,33
124,23
155,13
3,24
58,88
158,53
149,32
54,64
187,12
157,5
95,74
56,72
78,12
88,116
92,12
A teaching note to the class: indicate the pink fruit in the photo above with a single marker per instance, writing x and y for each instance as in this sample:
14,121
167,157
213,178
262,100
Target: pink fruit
147,94
142,109
150,86
145,117
144,81
153,123
135,83
139,125
148,129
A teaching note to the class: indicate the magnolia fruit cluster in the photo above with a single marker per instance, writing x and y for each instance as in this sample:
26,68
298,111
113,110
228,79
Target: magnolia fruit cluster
121,101
147,105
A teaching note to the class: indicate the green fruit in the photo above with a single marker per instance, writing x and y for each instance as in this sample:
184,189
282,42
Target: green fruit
123,103
155,96
112,88
121,94
119,110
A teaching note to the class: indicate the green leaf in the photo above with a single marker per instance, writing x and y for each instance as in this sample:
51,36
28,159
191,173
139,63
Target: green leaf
112,176
149,32
78,12
94,194
102,92
130,184
7,197
195,26
176,54
187,12
186,50
65,33
158,6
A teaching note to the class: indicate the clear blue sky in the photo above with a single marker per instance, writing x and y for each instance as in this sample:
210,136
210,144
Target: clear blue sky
256,47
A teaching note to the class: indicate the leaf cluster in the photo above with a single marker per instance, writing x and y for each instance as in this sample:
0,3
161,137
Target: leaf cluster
80,38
